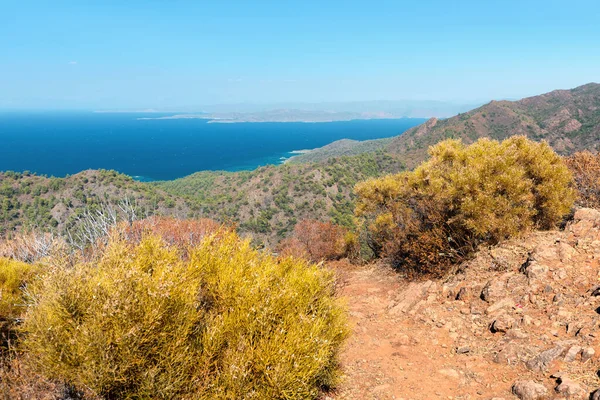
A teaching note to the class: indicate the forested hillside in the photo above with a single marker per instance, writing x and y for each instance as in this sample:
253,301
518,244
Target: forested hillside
269,201
32,201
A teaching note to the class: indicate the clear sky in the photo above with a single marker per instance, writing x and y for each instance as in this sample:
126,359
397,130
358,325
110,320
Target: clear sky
175,53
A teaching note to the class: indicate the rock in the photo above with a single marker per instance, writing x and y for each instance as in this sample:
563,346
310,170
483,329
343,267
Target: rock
529,390
570,389
572,353
587,353
451,373
511,354
463,350
565,251
536,271
493,290
462,294
595,395
412,297
504,303
503,323
542,361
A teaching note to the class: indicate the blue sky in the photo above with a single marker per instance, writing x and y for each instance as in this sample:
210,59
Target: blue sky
169,54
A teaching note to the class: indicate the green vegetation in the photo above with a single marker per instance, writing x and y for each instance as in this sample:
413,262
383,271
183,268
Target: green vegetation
567,119
33,201
225,322
344,147
431,218
269,201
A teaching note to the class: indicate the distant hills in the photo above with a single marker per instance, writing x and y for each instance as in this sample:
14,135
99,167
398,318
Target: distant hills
569,120
269,201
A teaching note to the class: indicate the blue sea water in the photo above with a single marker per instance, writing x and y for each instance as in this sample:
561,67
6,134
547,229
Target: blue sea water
62,143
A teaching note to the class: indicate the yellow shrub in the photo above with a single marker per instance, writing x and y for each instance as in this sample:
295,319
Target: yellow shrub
225,322
13,277
430,218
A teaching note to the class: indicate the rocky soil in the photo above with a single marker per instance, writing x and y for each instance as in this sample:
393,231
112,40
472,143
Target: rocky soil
519,321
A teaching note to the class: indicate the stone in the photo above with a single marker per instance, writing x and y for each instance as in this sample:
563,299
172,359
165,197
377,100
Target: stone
495,289
542,361
536,271
504,303
412,297
587,354
570,389
463,349
529,390
572,353
462,294
503,323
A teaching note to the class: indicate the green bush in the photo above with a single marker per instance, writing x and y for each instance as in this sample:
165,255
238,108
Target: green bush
226,322
431,218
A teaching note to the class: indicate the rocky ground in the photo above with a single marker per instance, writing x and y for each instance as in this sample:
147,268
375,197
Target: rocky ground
519,321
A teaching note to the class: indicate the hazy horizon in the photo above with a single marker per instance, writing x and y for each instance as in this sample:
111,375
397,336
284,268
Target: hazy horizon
189,55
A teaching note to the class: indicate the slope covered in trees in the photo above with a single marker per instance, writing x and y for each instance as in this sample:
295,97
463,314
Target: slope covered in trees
269,201
33,201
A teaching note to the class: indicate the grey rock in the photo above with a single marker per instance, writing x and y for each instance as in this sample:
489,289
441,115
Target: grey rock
493,290
570,389
463,349
503,323
542,361
529,390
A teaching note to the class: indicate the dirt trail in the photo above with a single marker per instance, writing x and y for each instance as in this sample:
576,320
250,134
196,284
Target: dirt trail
396,357
523,317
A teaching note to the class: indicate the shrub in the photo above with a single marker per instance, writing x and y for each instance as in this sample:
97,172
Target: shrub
31,246
226,322
182,233
318,241
431,218
585,167
14,275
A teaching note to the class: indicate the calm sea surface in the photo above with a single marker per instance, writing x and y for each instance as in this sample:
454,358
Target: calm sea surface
66,143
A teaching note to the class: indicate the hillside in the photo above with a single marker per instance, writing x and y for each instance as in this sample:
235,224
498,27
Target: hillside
268,201
569,120
344,147
28,200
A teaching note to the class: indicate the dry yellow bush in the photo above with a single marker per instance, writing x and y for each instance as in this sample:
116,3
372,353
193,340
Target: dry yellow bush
429,219
224,322
586,171
14,275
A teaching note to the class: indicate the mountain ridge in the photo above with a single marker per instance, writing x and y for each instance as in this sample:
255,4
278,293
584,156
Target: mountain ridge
568,119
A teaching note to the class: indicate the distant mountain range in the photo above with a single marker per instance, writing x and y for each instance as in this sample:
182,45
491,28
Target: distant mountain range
569,120
313,112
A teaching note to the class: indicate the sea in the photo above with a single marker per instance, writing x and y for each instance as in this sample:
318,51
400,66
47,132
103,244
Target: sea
64,143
